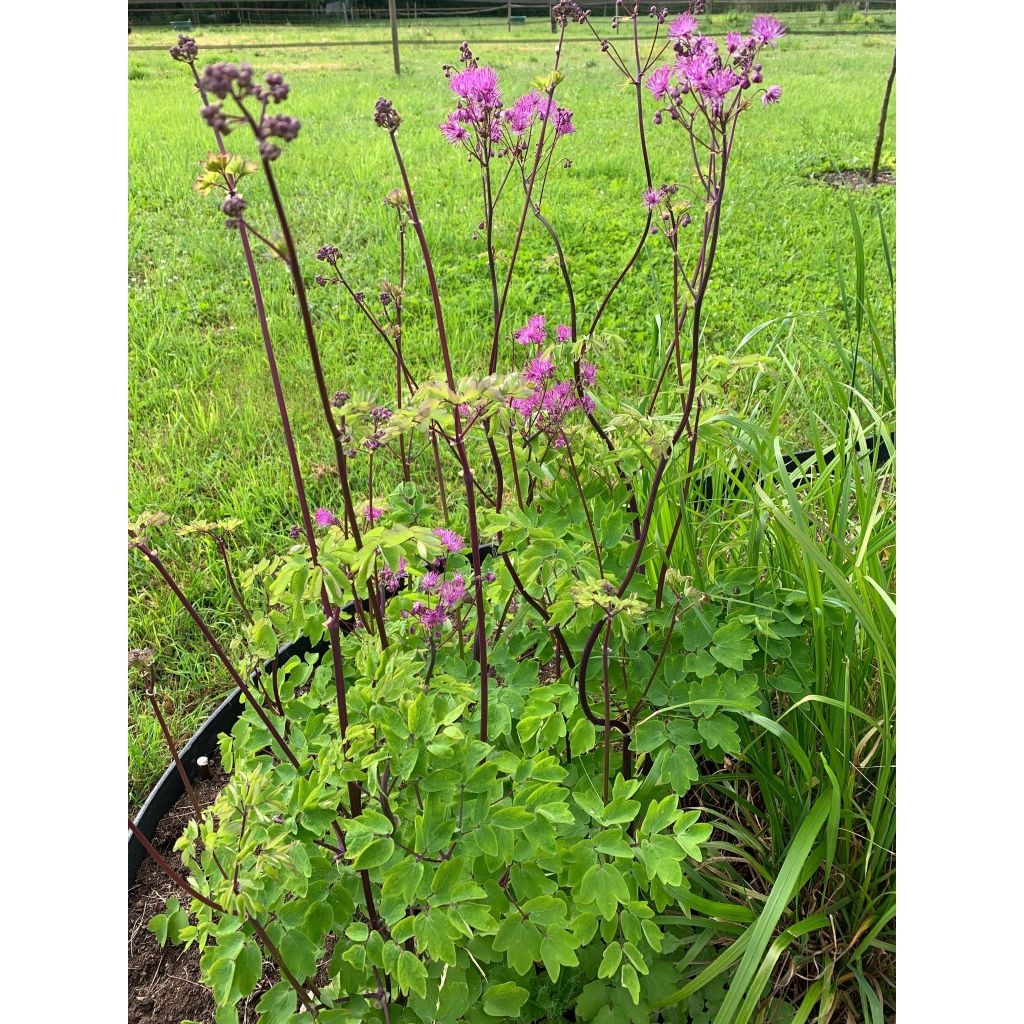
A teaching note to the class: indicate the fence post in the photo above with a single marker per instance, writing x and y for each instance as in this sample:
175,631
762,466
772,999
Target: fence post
393,14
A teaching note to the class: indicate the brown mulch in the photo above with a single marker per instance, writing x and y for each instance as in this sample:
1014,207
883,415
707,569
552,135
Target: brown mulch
856,178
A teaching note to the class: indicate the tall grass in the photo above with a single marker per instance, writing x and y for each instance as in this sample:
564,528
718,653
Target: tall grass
797,901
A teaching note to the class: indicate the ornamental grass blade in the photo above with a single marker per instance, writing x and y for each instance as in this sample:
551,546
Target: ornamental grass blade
778,899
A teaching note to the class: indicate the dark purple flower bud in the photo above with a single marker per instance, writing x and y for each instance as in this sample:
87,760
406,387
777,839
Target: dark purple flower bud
339,398
385,298
657,117
685,220
269,152
215,117
295,533
328,253
280,125
234,206
385,115
360,297
320,280
277,88
186,50
380,414
218,79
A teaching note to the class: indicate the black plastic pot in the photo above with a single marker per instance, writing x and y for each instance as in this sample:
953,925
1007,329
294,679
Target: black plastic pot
169,789
166,793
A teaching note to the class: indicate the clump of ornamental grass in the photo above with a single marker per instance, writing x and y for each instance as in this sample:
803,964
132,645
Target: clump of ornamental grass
472,799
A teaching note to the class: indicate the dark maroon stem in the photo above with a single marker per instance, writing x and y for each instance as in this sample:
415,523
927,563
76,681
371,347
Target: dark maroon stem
158,564
460,446
170,872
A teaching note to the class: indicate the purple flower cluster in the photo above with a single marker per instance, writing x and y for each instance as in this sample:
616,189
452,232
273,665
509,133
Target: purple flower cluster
394,579
325,517
700,69
534,333
223,80
185,50
545,409
450,540
237,81
233,208
479,120
450,594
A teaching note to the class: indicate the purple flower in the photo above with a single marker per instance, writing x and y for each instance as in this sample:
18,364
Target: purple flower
521,113
430,581
534,332
717,86
563,122
563,332
766,29
452,591
339,398
393,580
371,513
695,68
684,25
733,42
588,374
657,81
771,95
325,517
453,130
652,197
477,85
539,370
450,540
432,619
490,577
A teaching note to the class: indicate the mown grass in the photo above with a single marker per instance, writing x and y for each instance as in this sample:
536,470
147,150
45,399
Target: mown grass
204,438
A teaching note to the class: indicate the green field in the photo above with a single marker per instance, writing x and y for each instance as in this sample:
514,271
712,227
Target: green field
204,436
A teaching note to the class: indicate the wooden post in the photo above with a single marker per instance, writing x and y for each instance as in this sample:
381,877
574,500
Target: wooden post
393,14
873,177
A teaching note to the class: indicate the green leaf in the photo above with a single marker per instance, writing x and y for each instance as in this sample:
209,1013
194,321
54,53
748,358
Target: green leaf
512,817
660,814
412,975
299,955
682,770
357,931
158,926
374,854
732,645
505,999
557,950
610,961
591,803
663,857
604,885
277,1004
631,983
721,732
248,968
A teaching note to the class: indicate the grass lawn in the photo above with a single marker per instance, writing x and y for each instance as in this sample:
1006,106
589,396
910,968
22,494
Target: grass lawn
204,436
